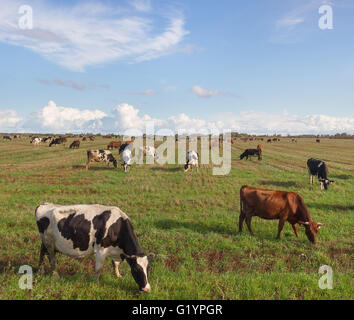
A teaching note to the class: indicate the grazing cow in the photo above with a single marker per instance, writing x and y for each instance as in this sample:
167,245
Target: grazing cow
7,138
82,230
127,158
192,158
269,141
92,138
17,136
56,141
271,205
75,144
114,144
147,151
47,139
84,139
250,153
99,156
36,141
318,168
318,140
128,144
293,140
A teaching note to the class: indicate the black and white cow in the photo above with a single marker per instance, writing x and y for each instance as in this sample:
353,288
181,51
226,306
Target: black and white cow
82,230
318,168
99,156
192,158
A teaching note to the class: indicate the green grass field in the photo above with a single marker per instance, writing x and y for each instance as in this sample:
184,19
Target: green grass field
189,219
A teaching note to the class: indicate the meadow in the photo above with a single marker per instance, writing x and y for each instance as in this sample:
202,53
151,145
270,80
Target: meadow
190,220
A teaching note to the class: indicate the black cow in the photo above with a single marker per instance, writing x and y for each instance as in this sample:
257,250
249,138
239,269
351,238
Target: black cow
318,168
57,141
75,144
82,230
252,152
6,138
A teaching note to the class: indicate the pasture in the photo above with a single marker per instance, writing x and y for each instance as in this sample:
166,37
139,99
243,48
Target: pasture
189,219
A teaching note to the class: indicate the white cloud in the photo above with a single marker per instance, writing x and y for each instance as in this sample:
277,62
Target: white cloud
206,93
289,22
141,5
146,92
9,120
56,119
93,33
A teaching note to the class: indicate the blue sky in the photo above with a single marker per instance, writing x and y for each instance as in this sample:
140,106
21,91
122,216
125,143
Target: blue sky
256,66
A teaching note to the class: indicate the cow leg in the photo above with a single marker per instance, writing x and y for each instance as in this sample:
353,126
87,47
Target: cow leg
322,187
100,257
116,266
280,226
240,221
248,223
295,229
43,252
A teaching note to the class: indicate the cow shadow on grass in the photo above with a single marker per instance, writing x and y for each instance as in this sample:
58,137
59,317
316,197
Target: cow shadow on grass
341,176
167,169
168,224
331,207
93,168
283,184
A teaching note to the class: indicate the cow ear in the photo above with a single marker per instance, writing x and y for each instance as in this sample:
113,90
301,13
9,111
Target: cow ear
304,223
151,257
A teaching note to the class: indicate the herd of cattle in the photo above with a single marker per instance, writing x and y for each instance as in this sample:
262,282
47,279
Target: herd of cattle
81,230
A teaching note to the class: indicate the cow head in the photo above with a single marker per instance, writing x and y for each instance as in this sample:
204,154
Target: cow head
140,266
325,183
311,229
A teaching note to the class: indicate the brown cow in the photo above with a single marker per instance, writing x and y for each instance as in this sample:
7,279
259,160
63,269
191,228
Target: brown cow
259,147
318,140
114,144
281,205
75,144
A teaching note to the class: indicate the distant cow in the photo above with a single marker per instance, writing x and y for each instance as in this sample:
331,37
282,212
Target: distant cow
293,140
281,205
17,136
47,139
114,144
269,140
128,144
6,138
75,144
92,138
84,139
100,156
36,141
318,168
56,141
127,158
83,230
192,158
318,140
250,153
